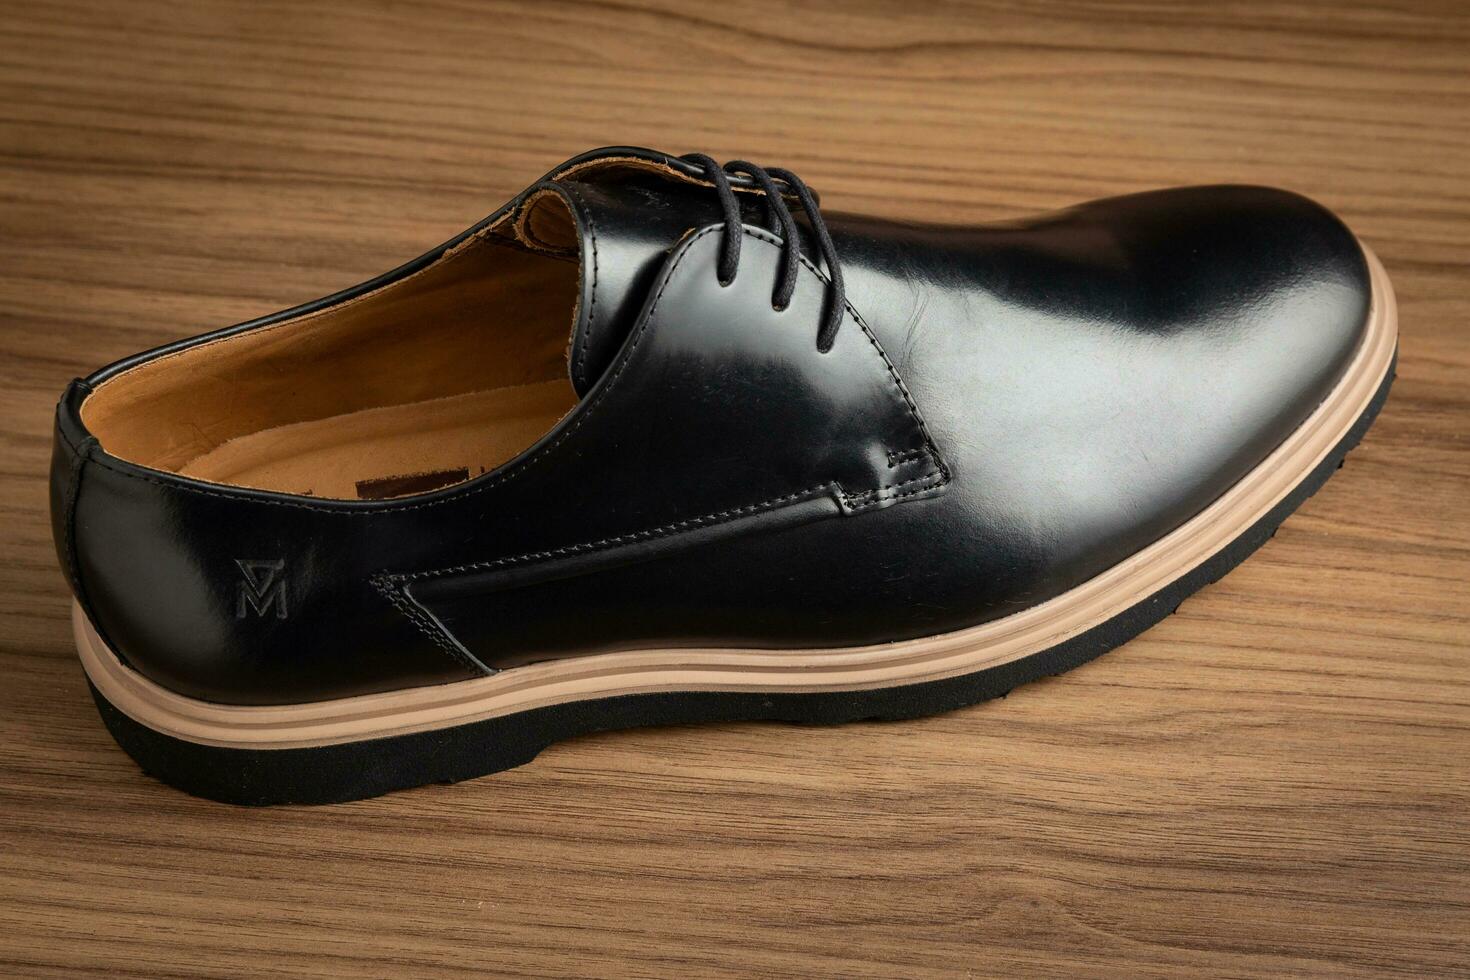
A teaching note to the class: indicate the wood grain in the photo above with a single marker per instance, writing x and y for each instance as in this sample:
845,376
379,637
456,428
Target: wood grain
1273,781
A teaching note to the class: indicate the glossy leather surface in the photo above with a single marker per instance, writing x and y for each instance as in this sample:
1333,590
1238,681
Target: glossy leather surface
1007,411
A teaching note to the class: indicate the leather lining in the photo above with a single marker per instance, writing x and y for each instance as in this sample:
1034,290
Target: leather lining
460,365
545,224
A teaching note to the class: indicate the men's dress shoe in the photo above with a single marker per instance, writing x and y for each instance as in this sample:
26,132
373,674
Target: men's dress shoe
790,465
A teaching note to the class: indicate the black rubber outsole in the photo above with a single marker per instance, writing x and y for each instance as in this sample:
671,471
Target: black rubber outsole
356,770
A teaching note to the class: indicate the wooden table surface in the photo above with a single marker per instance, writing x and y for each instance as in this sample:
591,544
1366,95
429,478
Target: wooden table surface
1273,781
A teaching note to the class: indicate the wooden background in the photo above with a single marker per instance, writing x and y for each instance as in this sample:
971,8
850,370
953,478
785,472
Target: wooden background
1273,781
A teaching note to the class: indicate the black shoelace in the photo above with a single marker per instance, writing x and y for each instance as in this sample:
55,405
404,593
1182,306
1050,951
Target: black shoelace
783,224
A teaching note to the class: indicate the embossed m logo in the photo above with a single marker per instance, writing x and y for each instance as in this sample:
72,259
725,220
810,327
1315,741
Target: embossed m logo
262,587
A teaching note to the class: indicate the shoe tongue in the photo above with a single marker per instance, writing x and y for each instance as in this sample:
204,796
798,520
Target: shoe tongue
622,226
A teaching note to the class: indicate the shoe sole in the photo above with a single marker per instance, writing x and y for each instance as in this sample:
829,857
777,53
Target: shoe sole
358,747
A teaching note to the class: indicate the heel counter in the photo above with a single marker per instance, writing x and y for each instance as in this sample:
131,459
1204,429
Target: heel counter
226,595
71,445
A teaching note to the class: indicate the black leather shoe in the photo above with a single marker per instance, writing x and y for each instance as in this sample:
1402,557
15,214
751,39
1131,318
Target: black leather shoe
790,465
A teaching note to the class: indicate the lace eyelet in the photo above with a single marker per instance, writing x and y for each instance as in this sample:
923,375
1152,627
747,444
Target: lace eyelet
775,184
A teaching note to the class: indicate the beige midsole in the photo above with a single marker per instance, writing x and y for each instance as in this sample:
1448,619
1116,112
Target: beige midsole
772,671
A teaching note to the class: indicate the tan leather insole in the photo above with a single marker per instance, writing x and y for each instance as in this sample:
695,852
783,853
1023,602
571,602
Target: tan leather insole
392,450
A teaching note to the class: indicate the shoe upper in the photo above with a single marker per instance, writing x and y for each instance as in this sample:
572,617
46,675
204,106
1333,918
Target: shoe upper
1004,412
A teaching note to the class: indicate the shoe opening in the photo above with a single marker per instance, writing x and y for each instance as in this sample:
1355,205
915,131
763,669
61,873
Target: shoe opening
430,380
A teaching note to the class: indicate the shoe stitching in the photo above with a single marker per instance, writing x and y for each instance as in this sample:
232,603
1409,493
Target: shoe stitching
69,513
424,625
713,519
393,585
592,303
896,458
855,501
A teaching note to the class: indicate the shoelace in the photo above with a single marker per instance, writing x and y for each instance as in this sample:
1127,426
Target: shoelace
784,225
